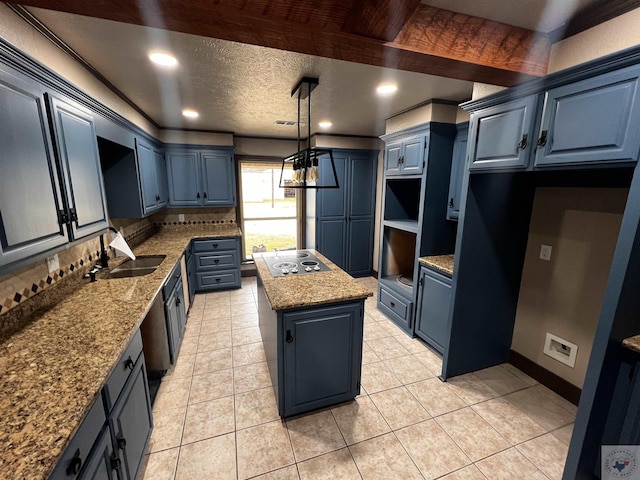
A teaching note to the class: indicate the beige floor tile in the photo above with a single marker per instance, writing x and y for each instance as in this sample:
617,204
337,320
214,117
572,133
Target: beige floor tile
433,451
243,336
507,465
472,433
244,309
208,419
392,329
241,298
387,347
383,458
413,345
471,389
244,321
508,420
564,434
467,473
173,392
373,331
161,465
408,369
189,346
255,407
547,453
250,377
210,386
192,329
212,361
314,434
249,353
399,408
543,406
167,429
378,315
501,380
183,367
377,377
263,448
337,465
210,327
212,313
359,420
214,341
432,360
368,319
368,355
520,374
208,459
216,303
436,396
286,473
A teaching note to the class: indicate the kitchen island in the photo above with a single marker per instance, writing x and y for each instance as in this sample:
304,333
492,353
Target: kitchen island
311,325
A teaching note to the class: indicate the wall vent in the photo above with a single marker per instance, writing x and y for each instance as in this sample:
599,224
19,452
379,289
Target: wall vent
560,349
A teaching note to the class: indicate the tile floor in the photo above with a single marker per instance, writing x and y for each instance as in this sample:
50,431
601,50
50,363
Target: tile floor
215,414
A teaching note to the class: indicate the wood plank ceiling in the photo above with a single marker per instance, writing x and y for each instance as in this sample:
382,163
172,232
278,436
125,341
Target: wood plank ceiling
400,34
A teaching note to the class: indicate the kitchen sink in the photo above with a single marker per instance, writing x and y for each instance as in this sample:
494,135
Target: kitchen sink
142,265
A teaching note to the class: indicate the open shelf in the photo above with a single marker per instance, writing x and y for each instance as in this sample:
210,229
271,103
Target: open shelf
402,199
406,225
398,254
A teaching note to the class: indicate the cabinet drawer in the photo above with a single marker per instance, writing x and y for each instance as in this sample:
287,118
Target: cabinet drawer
396,305
76,455
216,261
122,370
215,280
215,244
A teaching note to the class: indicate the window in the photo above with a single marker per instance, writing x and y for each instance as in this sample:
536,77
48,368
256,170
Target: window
269,219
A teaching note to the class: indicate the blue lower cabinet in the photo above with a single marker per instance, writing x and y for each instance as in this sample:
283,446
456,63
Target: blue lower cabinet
217,263
432,315
396,306
103,463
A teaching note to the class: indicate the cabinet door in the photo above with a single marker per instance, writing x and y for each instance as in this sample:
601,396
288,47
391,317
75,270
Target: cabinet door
29,196
331,240
392,155
218,176
100,465
458,163
332,201
77,148
433,308
413,155
502,135
173,325
131,422
181,312
360,246
147,169
162,191
361,186
183,176
322,356
595,120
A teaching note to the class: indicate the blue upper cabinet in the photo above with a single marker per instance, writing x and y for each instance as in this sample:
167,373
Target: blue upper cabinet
147,167
218,179
201,177
30,204
594,120
405,157
501,135
458,162
77,150
162,189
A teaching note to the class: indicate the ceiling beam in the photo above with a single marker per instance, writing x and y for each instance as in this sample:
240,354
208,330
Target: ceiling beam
381,19
593,15
431,41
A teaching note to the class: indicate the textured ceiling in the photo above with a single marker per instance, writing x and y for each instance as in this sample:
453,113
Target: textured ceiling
241,88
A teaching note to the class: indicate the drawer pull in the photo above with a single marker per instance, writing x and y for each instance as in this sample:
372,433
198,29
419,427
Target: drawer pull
115,462
214,245
216,260
393,305
122,442
75,465
128,363
217,280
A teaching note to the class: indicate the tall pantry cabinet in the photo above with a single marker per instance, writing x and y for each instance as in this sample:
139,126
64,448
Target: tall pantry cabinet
344,216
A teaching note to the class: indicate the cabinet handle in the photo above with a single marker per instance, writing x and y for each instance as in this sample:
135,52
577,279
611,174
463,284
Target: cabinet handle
523,143
216,260
217,280
122,442
157,198
74,215
401,160
289,338
542,141
214,245
128,363
451,202
75,465
205,194
178,302
198,195
393,305
115,462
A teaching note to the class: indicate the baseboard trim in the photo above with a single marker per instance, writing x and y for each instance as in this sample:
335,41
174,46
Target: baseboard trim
549,379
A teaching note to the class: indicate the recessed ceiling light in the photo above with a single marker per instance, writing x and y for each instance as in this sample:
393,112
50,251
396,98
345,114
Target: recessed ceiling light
187,112
325,124
163,59
386,89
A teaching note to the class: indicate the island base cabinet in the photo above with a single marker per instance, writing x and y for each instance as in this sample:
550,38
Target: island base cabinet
100,465
322,357
432,316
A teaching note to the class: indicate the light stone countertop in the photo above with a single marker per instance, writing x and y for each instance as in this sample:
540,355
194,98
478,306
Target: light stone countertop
632,343
52,369
318,288
440,263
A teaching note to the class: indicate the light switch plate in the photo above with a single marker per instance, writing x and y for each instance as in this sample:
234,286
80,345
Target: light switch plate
53,263
181,217
545,252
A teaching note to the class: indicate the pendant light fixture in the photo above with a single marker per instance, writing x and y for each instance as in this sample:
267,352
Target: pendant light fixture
307,161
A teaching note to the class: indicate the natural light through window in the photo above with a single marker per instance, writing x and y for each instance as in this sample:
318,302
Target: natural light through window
268,211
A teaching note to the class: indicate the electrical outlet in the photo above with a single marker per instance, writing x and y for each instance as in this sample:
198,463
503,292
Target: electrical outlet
53,263
545,252
181,217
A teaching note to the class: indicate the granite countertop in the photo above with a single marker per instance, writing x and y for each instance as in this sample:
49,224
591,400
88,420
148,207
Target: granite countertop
440,263
632,343
52,370
307,290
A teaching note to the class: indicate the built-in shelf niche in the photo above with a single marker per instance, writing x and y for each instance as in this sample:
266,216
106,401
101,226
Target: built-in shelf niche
402,201
398,254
